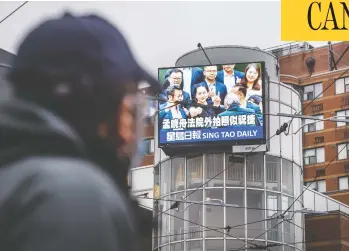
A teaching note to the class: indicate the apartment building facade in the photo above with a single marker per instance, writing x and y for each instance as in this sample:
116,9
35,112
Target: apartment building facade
324,85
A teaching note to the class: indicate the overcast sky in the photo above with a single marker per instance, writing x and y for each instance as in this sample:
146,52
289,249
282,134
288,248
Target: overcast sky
160,32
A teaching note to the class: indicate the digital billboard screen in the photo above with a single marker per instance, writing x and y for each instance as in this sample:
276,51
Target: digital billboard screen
212,104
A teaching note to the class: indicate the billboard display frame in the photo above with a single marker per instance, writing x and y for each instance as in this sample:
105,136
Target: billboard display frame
220,143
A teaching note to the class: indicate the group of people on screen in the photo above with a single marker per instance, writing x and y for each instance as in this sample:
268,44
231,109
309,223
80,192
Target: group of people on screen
208,92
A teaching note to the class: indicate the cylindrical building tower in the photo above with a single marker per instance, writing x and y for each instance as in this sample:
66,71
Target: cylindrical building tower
252,189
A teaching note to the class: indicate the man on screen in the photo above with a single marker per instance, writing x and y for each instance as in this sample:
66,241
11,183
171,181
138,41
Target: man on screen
176,77
241,92
190,77
171,110
214,87
229,76
233,107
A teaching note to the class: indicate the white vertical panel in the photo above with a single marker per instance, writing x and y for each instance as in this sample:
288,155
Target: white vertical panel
286,145
273,126
285,95
309,199
295,101
274,91
320,202
142,178
297,141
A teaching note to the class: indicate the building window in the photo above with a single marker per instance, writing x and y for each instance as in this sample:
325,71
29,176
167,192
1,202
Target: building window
343,183
312,91
148,146
343,151
319,185
311,125
342,85
342,115
314,156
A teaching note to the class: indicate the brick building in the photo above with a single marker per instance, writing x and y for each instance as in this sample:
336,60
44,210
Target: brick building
334,237
322,141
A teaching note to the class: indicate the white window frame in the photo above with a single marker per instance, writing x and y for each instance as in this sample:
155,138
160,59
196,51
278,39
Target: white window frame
151,146
343,153
342,85
309,160
343,183
342,113
317,125
310,90
318,185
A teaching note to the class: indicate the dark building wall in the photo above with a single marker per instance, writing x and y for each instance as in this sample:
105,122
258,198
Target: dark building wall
327,232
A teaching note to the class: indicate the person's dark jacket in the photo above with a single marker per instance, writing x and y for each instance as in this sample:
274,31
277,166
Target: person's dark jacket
55,193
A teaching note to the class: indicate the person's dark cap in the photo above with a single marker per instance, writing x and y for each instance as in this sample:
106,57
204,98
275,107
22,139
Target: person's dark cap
255,98
84,41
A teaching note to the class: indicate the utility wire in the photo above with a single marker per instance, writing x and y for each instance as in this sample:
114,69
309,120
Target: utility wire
216,175
223,205
13,12
312,101
243,247
289,123
228,228
346,145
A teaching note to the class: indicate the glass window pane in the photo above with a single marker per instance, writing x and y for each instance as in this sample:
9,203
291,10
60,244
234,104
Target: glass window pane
179,246
214,245
250,245
342,153
273,172
308,88
274,225
235,215
165,176
343,183
309,152
288,227
321,186
297,180
177,223
194,215
194,172
319,124
214,170
214,214
165,222
234,174
194,245
178,175
340,115
165,248
234,244
287,177
320,155
318,90
340,86
255,200
254,170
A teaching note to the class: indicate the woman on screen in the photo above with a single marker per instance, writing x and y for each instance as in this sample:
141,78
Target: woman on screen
252,80
200,92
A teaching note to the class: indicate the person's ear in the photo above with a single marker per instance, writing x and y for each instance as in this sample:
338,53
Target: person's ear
126,121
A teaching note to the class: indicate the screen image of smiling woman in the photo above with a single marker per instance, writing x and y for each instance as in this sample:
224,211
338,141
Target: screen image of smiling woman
251,80
201,95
